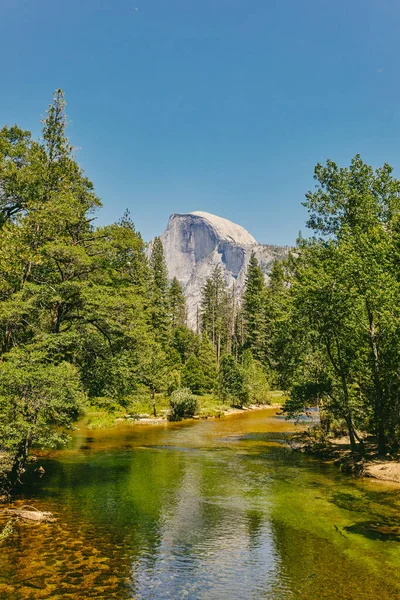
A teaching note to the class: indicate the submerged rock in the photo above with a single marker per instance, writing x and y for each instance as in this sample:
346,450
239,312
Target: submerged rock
29,513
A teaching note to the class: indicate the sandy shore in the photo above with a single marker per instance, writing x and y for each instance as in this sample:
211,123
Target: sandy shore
385,470
338,450
148,420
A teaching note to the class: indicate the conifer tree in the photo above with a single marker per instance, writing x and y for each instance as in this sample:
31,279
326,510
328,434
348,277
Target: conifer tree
231,381
208,361
185,341
215,310
177,304
130,253
193,375
207,311
254,310
160,316
72,311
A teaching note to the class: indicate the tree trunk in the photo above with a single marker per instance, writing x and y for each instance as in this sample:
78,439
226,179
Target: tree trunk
19,463
153,401
340,370
379,403
350,429
56,318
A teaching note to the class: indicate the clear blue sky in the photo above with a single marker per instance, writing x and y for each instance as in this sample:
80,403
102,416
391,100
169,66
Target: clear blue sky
216,105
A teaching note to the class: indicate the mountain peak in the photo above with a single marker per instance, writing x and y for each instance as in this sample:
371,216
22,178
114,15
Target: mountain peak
227,229
195,243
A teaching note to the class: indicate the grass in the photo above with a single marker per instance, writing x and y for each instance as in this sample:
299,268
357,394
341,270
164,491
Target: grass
105,412
276,397
211,406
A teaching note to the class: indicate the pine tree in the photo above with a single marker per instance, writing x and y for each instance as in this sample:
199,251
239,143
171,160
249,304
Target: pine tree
230,312
130,253
185,341
208,361
254,298
177,304
276,314
72,311
207,310
160,316
231,381
255,379
215,310
193,375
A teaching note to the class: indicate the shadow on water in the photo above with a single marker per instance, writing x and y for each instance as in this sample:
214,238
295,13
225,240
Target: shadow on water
377,531
207,510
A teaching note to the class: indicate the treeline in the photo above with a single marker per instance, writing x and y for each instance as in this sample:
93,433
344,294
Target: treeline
84,315
336,331
326,328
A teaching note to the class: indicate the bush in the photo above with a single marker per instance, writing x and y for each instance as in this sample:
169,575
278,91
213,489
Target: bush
183,404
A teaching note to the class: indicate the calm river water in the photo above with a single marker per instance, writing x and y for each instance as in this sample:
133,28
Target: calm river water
216,509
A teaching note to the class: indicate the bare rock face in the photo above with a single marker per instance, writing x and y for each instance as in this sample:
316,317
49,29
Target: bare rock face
196,242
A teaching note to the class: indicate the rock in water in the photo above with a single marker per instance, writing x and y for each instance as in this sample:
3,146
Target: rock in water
194,243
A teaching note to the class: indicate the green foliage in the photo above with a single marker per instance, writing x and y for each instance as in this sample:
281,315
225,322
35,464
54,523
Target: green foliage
342,304
232,382
154,371
177,304
254,379
183,404
174,381
160,309
193,375
38,402
75,301
254,305
208,362
217,312
185,342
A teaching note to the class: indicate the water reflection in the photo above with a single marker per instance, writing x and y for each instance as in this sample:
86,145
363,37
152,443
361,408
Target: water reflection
207,510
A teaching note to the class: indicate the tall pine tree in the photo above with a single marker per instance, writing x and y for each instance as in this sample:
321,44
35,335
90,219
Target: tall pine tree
208,361
160,313
254,299
215,310
177,304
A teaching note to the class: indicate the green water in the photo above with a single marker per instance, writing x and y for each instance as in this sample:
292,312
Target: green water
202,510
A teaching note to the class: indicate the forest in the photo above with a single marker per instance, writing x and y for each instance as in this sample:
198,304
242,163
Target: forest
88,318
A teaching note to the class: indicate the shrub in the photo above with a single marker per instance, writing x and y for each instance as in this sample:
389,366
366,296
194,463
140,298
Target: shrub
183,404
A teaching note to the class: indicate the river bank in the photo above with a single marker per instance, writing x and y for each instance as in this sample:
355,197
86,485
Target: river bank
140,411
103,419
335,451
338,451
106,414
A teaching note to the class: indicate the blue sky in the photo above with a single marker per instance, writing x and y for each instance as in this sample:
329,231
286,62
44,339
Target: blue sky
216,105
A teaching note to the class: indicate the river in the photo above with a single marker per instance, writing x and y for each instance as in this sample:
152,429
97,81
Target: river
217,509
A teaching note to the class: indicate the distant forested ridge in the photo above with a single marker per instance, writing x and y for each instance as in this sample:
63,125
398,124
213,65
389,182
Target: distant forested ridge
86,317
